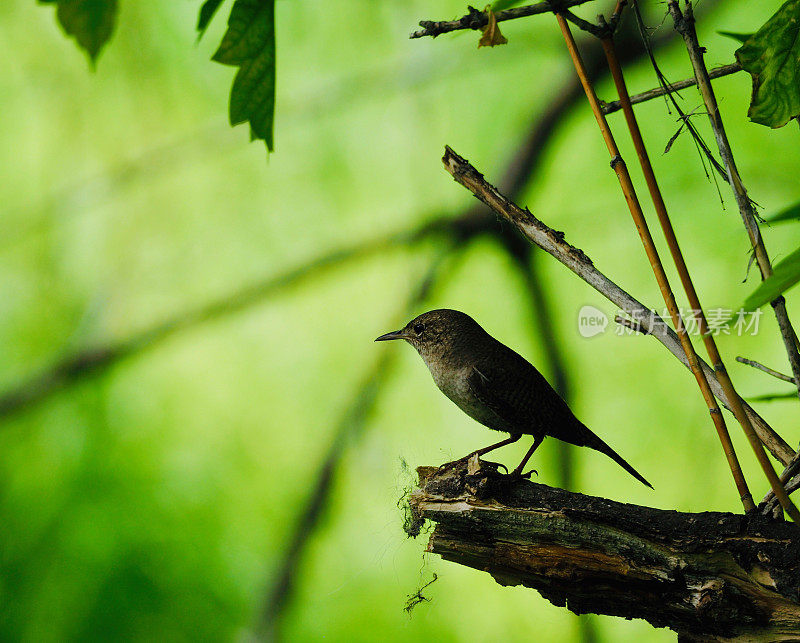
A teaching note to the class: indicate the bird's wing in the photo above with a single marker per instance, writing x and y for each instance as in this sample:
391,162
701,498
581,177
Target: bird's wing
488,388
521,396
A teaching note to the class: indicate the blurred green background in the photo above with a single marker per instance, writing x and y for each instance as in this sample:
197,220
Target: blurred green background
156,498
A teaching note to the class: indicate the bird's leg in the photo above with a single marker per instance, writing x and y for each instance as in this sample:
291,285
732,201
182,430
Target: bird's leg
518,471
510,440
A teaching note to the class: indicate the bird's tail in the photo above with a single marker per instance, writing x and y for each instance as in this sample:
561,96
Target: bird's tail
597,444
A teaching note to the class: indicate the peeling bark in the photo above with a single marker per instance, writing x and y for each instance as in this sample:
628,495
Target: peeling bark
709,576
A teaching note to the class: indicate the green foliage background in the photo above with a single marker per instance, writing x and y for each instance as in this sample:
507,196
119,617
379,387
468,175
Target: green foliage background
153,501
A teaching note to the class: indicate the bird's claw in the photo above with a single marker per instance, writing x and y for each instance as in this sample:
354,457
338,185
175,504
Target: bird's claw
449,465
522,476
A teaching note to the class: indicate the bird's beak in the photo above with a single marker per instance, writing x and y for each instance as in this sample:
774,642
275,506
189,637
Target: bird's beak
395,334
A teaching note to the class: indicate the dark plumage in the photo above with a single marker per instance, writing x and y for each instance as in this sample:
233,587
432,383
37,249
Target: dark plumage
495,385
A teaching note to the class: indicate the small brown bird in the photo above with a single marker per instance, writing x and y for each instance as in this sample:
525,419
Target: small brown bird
496,386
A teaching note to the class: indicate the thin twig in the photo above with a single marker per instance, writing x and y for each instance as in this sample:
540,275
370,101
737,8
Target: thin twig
626,184
684,24
633,325
702,148
766,369
613,21
718,72
552,242
476,19
585,25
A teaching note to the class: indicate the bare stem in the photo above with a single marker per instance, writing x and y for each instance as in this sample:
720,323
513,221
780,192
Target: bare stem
718,72
637,214
766,369
633,325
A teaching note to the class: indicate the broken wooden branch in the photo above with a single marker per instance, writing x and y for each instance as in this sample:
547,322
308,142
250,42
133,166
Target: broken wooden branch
708,576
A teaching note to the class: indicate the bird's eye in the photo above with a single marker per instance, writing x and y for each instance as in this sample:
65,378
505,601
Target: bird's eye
418,328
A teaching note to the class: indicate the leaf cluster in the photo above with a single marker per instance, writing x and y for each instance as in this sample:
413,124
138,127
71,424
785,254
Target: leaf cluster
248,43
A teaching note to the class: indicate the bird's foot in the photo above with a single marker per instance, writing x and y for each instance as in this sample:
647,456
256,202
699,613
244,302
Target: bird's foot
476,466
451,465
474,463
518,475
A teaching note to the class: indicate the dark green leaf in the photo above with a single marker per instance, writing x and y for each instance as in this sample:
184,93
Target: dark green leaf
785,275
253,96
207,12
251,30
249,43
741,37
90,22
772,57
792,213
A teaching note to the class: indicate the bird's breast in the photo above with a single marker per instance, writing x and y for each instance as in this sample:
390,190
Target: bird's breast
454,383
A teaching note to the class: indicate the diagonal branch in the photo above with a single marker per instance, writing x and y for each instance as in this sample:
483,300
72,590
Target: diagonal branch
552,242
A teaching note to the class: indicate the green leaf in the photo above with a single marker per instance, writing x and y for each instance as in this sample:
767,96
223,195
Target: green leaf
741,37
772,57
785,275
90,22
251,30
207,12
792,213
249,43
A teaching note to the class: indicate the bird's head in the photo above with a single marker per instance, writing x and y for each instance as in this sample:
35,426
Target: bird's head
434,334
